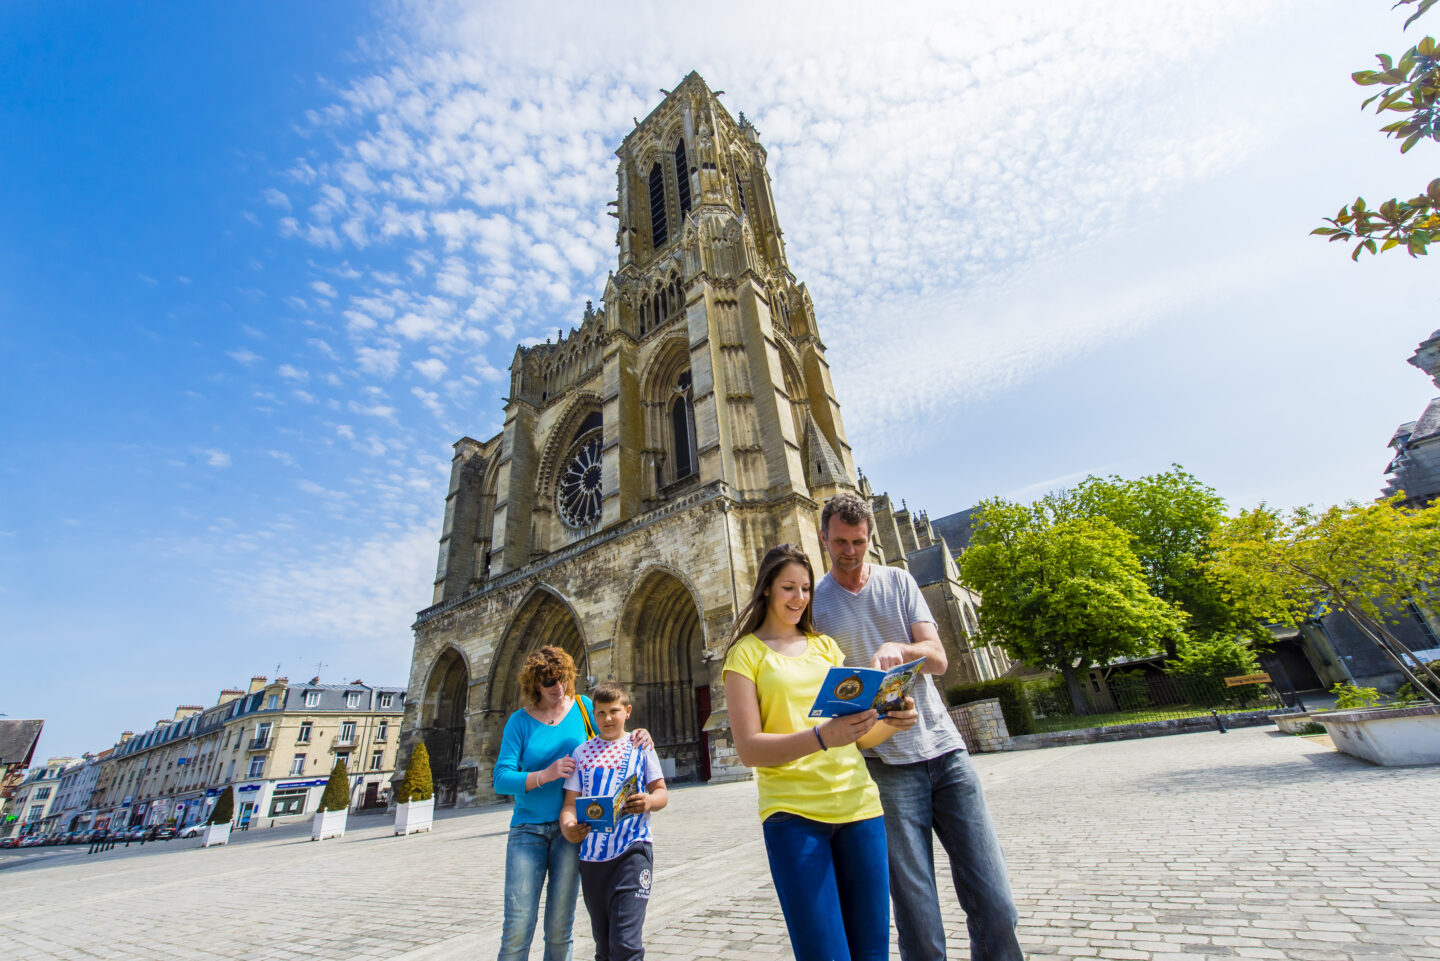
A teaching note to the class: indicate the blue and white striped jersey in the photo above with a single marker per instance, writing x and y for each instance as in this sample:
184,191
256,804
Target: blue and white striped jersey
600,766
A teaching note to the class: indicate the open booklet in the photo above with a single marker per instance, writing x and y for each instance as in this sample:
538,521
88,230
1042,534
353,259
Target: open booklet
850,690
603,812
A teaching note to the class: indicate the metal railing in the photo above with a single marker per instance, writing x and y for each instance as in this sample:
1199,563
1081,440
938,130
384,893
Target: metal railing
1133,697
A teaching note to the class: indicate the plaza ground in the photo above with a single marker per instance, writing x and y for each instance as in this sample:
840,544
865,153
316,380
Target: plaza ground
1249,844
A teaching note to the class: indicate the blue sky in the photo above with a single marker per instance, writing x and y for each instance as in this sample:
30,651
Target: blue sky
261,265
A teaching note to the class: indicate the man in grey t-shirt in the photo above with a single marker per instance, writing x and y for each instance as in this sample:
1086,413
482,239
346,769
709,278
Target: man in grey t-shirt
879,618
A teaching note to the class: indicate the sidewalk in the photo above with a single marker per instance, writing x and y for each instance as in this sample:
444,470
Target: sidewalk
1244,845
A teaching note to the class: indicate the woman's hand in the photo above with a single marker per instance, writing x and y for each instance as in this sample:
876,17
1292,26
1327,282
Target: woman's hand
561,767
905,718
642,739
574,831
847,728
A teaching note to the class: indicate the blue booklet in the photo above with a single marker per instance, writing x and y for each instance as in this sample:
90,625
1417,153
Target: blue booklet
603,812
850,690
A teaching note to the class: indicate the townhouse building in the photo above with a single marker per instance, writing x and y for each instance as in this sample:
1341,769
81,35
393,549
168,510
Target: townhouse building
34,800
274,743
77,785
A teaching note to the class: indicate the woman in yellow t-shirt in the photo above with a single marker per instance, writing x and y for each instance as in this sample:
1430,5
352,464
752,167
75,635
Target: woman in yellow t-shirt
820,812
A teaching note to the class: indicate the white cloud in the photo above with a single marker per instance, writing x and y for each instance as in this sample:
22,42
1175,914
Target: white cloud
243,356
380,361
216,458
322,288
432,368
290,372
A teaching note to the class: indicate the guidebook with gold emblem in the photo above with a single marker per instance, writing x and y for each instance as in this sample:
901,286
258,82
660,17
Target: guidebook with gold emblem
850,690
603,812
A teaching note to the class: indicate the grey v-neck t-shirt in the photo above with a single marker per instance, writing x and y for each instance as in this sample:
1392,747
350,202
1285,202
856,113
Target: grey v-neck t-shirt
883,611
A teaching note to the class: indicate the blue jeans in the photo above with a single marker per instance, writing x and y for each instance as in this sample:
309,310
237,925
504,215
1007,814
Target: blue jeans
831,879
532,852
943,794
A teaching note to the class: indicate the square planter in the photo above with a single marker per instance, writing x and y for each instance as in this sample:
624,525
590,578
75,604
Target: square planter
328,824
1391,737
216,834
415,816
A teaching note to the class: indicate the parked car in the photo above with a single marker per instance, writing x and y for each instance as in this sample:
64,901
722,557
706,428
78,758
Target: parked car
9,842
193,831
162,832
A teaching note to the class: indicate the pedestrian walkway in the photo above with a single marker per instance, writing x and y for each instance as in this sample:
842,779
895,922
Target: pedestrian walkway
1243,845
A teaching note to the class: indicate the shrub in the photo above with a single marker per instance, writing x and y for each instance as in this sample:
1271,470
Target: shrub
1309,729
337,789
224,808
1019,718
418,785
1349,696
1207,663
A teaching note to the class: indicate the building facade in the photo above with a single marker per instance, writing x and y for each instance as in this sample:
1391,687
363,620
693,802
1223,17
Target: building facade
274,743
33,802
648,459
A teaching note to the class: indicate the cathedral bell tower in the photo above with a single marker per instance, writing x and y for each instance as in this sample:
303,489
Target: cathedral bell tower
649,458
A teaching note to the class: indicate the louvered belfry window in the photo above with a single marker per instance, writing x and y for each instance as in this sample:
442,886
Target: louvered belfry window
682,179
658,231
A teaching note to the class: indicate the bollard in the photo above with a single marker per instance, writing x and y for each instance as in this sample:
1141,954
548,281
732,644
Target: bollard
1219,724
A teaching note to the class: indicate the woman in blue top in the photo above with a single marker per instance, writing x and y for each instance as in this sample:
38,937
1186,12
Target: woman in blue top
533,764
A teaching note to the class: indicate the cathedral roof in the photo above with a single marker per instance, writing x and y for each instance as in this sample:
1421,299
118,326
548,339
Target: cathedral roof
822,467
1429,423
956,528
927,565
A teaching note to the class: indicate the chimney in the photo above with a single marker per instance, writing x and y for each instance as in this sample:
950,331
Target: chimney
185,710
257,683
228,695
126,735
282,680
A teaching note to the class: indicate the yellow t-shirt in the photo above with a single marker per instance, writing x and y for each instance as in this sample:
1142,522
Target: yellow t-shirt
831,786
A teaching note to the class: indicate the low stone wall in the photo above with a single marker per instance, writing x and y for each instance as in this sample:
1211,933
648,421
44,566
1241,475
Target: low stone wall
982,724
1129,732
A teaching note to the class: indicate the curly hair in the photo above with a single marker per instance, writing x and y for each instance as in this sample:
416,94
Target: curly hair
547,661
851,508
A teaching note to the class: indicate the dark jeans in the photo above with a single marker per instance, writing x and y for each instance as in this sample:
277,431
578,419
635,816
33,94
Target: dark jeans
831,880
617,892
943,795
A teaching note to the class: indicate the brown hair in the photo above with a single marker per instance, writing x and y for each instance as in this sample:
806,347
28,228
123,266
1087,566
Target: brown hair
851,508
774,561
609,692
547,661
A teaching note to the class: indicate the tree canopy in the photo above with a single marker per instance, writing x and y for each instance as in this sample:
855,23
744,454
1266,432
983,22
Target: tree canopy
1409,86
1364,560
1062,593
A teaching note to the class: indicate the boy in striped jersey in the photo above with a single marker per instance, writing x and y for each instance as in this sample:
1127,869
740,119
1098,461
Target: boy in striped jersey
615,868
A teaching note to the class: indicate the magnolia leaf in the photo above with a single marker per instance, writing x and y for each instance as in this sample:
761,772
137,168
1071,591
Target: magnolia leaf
1410,141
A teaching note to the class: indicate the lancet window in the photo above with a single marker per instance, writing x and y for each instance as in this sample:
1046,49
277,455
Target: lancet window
659,230
682,179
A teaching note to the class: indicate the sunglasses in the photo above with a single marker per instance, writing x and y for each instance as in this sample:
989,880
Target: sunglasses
548,680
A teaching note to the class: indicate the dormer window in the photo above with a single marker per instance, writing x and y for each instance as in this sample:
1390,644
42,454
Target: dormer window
352,698
312,698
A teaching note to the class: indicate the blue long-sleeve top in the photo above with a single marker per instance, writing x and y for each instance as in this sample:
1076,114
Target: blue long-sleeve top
529,745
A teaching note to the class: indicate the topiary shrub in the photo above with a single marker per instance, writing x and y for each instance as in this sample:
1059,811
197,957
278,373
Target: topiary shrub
337,789
418,785
1019,718
224,808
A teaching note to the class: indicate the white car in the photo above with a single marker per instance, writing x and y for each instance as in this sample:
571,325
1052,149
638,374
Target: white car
193,831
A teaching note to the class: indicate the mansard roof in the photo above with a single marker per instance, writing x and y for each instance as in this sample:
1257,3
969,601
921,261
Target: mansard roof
18,739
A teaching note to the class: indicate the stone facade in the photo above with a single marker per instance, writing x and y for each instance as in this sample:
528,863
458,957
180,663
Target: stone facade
648,459
983,724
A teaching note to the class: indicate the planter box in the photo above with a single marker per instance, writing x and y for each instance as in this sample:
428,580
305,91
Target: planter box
328,824
415,816
1295,722
1399,736
216,834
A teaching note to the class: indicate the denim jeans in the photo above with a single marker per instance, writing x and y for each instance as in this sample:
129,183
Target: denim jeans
831,880
943,794
532,852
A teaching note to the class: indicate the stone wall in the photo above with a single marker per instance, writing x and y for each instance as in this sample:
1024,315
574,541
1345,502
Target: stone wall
983,726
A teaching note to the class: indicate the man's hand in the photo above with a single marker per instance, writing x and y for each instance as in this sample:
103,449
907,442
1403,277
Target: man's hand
638,803
905,718
847,728
574,831
890,655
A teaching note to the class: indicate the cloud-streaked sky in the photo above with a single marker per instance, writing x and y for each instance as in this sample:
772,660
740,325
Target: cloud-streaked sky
261,265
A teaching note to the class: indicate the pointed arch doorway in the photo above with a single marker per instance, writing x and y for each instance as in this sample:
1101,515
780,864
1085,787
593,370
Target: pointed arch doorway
669,681
443,723
542,618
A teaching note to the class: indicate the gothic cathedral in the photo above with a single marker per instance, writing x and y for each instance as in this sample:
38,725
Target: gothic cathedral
647,462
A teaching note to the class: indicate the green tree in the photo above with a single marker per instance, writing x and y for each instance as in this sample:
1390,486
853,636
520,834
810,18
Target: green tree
224,807
1171,517
1063,594
1360,559
417,785
337,789
1411,88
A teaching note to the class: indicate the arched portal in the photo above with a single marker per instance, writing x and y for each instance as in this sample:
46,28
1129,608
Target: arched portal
542,619
668,680
443,722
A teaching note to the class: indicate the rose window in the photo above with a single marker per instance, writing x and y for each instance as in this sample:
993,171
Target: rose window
579,495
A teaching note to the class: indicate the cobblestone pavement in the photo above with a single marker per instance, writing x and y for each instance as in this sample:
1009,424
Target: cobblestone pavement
1244,845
